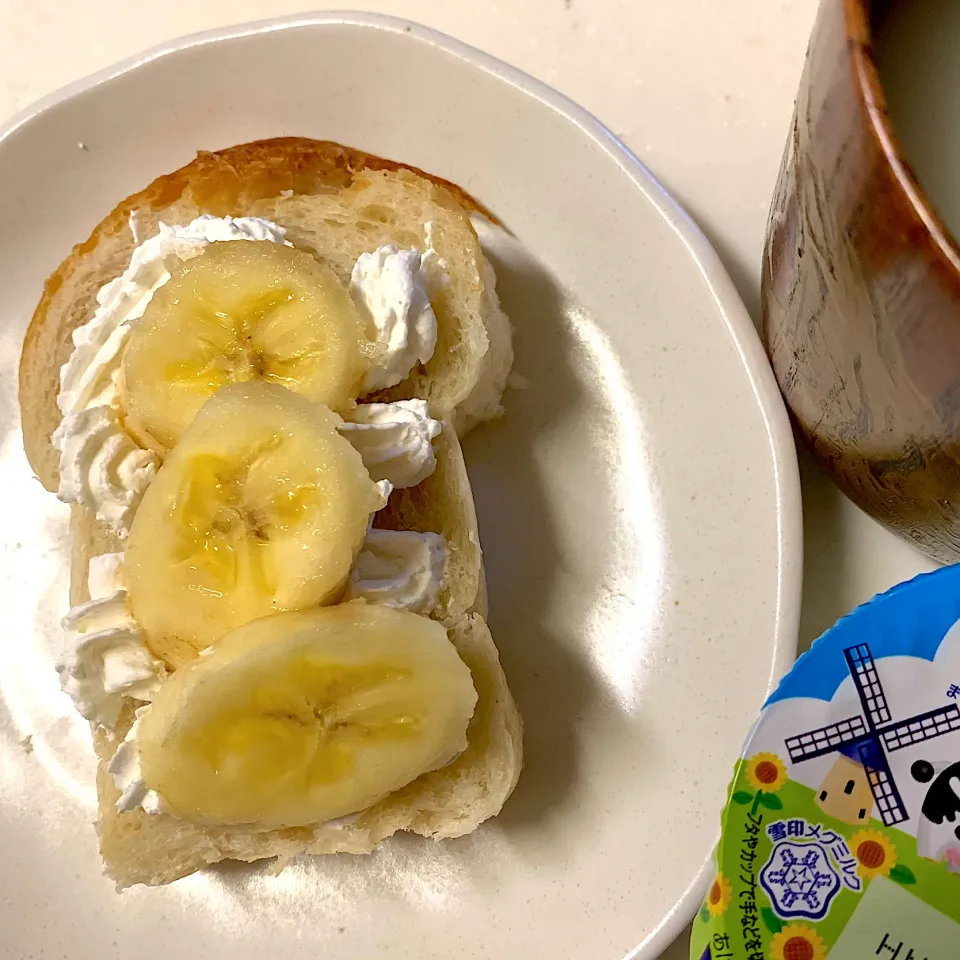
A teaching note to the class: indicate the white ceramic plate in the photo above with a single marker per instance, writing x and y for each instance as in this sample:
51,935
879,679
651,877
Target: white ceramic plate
639,507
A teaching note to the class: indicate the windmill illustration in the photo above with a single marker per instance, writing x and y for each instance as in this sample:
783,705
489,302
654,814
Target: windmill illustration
861,774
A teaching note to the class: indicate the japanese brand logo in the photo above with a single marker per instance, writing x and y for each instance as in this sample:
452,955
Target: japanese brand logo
806,869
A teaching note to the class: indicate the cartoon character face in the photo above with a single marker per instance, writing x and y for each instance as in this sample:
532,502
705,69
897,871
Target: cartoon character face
938,832
845,792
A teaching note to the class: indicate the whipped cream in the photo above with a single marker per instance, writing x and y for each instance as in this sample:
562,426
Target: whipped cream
395,440
390,288
107,659
399,568
105,574
101,466
124,767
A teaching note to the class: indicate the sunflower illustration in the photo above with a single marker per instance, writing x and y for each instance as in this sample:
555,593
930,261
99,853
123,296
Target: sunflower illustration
719,895
797,942
875,854
766,772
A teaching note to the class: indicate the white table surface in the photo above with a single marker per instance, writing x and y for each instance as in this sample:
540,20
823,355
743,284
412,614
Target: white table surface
701,90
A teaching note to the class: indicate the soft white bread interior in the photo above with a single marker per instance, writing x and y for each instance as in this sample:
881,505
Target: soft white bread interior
341,203
334,201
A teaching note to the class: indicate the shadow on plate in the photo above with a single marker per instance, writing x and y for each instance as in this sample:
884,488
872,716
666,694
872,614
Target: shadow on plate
523,555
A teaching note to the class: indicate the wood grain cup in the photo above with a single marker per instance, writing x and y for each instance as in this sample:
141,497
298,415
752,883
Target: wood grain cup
861,295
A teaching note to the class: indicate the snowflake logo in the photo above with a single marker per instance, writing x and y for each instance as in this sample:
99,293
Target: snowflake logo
800,880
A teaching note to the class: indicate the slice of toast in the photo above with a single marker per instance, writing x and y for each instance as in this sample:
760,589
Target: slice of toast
334,201
337,203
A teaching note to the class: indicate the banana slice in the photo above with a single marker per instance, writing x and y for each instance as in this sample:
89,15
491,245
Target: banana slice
261,507
304,717
241,310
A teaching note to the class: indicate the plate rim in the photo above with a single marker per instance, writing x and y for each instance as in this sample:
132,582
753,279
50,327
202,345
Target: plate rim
732,311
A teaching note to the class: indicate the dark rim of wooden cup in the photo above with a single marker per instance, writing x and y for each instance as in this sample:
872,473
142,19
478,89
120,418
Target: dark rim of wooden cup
858,23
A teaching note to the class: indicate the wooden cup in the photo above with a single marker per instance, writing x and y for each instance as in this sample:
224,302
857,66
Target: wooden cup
861,296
